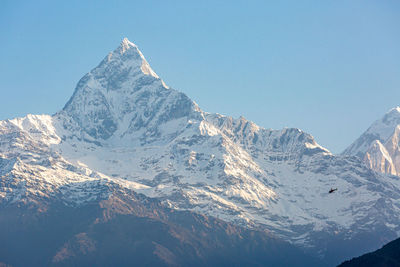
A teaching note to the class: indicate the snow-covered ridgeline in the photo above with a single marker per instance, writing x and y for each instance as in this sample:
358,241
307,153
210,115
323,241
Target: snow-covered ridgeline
379,146
124,124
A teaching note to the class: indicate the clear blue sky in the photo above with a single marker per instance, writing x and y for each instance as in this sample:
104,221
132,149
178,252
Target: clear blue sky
328,67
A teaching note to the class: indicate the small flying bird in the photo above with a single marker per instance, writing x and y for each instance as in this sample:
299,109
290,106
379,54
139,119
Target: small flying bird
332,190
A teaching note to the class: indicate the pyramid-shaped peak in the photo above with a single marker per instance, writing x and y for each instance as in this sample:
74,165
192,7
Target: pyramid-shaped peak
129,54
109,94
392,117
382,130
126,44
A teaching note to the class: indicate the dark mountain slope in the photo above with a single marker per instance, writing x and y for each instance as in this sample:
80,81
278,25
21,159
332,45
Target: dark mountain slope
387,256
126,229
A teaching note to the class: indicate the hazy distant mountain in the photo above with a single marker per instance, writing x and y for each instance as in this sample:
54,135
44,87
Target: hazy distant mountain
387,256
379,146
124,125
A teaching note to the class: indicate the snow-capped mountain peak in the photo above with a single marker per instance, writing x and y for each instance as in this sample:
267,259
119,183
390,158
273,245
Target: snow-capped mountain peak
122,123
123,93
386,126
379,146
380,130
128,51
397,109
126,44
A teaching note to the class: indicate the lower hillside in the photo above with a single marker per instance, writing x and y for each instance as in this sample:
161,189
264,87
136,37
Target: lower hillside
126,228
387,256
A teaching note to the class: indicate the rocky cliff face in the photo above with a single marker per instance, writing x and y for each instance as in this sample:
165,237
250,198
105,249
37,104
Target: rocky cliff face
124,125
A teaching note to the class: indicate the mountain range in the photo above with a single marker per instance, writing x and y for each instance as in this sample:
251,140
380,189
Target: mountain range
125,128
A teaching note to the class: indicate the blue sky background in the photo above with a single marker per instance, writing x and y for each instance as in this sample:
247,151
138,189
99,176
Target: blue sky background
328,67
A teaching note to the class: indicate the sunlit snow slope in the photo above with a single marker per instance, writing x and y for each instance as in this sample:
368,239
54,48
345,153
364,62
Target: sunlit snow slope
379,146
123,123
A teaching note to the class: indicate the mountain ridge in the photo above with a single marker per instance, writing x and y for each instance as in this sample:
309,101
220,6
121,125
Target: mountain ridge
123,124
122,227
379,145
387,256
